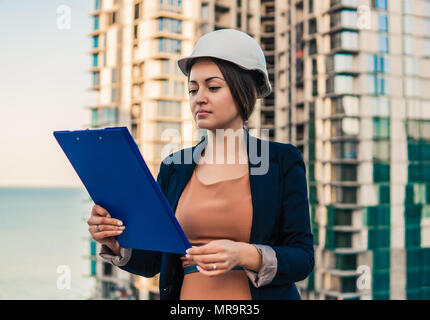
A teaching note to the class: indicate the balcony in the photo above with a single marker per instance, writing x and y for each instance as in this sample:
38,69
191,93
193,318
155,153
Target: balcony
344,19
267,12
170,9
344,41
339,4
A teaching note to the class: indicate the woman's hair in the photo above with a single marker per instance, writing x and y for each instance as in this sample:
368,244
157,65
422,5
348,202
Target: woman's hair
242,83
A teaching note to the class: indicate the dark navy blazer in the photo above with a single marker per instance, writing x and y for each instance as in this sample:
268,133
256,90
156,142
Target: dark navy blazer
280,220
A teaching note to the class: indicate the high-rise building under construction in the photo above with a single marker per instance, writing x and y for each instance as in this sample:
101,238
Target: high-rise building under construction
351,89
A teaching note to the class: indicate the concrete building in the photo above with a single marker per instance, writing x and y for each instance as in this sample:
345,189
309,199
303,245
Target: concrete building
350,88
354,85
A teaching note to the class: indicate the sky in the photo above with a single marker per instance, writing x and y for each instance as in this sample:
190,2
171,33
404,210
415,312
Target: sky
44,83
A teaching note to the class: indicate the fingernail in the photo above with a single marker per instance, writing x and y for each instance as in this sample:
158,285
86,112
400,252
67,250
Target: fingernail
198,268
122,228
187,251
187,256
120,223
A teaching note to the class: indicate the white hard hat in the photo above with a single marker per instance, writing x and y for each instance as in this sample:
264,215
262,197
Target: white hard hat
234,46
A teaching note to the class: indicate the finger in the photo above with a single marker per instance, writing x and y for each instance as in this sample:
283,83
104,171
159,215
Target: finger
99,211
104,227
210,266
105,234
206,249
211,273
102,220
208,258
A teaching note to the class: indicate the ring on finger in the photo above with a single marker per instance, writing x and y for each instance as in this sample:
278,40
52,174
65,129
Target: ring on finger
97,228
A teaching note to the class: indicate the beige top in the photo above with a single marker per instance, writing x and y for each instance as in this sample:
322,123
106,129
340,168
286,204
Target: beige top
206,212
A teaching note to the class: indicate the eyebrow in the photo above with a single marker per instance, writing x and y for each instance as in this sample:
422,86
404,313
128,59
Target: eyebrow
208,79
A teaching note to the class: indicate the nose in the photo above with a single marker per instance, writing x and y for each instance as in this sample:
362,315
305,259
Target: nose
201,97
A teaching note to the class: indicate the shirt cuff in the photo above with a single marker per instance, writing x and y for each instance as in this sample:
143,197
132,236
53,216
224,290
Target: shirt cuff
268,269
107,254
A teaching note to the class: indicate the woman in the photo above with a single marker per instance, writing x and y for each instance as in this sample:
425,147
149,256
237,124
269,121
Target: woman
248,222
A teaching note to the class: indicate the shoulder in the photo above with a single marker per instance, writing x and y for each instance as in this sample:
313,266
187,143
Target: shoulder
288,155
177,158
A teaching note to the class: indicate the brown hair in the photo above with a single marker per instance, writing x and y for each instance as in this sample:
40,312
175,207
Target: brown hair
242,83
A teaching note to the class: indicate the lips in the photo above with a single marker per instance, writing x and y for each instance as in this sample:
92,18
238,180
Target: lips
203,112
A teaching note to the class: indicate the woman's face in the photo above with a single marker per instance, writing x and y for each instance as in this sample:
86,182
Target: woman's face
209,91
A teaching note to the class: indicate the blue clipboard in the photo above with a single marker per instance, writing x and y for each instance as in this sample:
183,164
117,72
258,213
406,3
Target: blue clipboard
113,171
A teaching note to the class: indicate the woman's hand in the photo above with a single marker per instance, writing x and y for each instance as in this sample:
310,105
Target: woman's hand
223,254
103,228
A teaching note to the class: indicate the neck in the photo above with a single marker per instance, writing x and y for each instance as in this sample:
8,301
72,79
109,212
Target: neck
226,146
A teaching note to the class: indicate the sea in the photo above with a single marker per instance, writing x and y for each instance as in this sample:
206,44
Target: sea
45,244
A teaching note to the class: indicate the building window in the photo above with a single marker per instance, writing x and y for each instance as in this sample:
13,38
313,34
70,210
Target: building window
344,172
347,127
114,94
381,128
426,10
95,60
340,84
346,261
383,43
378,85
137,11
114,75
96,22
412,66
427,27
313,26
313,48
175,128
381,172
108,116
381,107
344,19
340,62
382,22
135,31
378,63
170,25
113,18
407,45
381,150
407,7
427,48
96,78
412,87
379,4
344,150
169,45
315,87
179,88
314,66
347,40
347,105
407,24
95,41
344,195
97,4
168,108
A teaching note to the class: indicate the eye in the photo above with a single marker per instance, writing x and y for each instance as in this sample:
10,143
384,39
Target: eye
214,88
191,91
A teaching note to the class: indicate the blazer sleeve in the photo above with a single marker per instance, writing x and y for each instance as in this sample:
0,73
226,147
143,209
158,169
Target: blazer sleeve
144,262
294,249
